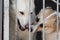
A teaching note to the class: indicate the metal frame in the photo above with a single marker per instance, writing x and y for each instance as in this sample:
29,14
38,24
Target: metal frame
6,20
57,20
43,20
0,19
6,23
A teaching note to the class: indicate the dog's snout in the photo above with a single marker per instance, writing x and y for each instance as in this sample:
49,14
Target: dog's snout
41,25
20,27
37,19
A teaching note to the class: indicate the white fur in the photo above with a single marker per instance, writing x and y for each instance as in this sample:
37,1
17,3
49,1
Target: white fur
23,6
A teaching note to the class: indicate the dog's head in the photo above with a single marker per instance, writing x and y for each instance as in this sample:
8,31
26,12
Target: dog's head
51,22
23,13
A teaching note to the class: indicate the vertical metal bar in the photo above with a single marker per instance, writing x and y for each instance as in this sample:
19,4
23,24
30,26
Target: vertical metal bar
29,20
12,21
29,28
6,19
16,20
0,19
57,19
43,20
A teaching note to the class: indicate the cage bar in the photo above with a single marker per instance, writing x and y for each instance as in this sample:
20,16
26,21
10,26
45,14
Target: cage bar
29,20
6,19
57,20
1,19
43,20
12,20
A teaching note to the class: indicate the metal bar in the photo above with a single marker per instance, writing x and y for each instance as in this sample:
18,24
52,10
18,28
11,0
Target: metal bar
57,19
43,20
55,2
29,20
2,19
1,35
16,20
29,27
6,19
12,20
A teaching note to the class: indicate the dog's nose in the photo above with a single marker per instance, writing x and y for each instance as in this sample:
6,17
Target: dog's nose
27,26
37,19
41,25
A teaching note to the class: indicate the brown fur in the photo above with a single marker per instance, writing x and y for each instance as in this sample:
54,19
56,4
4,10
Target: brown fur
50,25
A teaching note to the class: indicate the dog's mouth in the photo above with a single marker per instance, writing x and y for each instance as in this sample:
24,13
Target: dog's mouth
27,26
21,28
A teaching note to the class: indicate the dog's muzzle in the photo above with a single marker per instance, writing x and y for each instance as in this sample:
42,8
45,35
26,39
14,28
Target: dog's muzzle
21,28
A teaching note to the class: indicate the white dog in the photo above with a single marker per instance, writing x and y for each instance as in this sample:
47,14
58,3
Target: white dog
23,13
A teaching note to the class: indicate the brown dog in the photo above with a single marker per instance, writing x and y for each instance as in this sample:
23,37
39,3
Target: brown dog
50,24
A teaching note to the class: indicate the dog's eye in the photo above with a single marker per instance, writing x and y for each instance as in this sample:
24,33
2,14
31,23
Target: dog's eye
22,13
